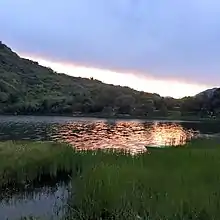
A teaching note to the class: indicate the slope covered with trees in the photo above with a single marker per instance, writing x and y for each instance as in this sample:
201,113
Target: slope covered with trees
205,104
28,88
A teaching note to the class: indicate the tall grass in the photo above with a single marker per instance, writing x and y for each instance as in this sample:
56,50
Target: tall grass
167,184
23,162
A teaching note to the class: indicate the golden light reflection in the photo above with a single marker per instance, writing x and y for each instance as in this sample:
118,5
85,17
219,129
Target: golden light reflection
130,136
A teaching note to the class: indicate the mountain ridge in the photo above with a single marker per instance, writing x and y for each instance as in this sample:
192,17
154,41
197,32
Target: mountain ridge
36,87
29,88
208,92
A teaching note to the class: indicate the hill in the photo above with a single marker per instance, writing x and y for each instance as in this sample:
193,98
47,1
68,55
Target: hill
29,88
204,104
209,92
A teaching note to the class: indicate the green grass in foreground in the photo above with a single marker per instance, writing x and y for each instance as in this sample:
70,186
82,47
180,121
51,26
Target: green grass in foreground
23,162
168,184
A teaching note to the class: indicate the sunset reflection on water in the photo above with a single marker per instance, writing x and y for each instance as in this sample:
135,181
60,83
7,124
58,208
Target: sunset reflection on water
126,135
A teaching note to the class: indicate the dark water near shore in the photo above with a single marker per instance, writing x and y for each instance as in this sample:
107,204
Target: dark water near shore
87,133
45,201
45,198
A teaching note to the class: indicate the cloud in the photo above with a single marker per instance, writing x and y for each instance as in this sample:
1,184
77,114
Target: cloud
142,83
163,38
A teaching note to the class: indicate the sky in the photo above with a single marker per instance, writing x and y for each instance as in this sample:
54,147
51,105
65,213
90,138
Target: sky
166,46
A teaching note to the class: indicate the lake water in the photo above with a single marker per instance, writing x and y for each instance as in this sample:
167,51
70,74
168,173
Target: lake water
87,133
44,201
90,133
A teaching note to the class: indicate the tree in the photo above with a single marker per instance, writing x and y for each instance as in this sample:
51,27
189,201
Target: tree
124,104
13,98
3,97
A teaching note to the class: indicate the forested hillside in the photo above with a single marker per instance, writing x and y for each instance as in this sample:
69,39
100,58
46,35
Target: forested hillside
28,88
205,104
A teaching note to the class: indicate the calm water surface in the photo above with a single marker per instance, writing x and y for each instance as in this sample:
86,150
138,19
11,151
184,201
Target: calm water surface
46,201
86,133
90,133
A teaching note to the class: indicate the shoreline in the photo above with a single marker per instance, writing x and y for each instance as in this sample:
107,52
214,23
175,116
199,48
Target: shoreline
118,117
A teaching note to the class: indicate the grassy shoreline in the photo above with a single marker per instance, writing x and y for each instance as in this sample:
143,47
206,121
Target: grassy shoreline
22,162
172,183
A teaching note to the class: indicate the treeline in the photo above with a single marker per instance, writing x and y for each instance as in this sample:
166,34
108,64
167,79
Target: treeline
101,99
28,88
202,105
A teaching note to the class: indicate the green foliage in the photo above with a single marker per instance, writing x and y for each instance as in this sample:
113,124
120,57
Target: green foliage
203,105
178,184
28,88
23,162
171,183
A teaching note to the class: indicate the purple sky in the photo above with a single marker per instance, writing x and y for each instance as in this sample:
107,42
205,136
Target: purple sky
177,39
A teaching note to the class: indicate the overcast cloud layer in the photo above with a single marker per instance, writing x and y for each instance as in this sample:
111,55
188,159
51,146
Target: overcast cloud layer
164,38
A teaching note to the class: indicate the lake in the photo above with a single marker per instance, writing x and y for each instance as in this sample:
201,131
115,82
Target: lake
91,133
87,133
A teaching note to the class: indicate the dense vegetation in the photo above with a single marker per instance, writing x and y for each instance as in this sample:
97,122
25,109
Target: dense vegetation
28,88
170,183
21,163
204,104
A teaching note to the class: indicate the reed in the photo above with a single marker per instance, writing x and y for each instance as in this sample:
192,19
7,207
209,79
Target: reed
23,162
181,183
169,183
